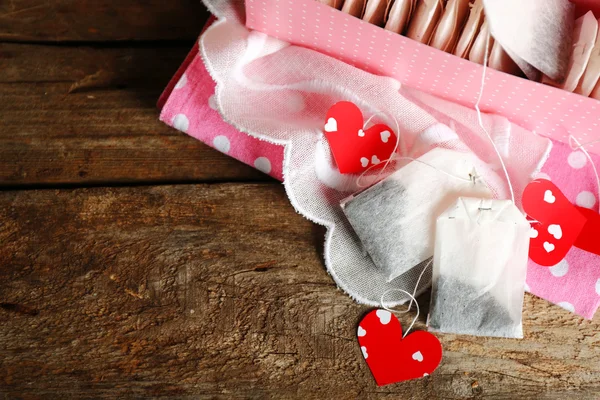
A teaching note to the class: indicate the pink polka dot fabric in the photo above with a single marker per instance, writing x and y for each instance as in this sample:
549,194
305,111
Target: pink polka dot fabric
574,283
188,105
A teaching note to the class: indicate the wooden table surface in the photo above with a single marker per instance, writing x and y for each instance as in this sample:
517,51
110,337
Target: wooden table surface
136,262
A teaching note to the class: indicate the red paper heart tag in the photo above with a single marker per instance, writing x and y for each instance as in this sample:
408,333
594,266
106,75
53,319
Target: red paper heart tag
390,357
355,150
588,238
559,226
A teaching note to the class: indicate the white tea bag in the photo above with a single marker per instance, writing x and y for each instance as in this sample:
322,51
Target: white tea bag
538,34
395,219
479,268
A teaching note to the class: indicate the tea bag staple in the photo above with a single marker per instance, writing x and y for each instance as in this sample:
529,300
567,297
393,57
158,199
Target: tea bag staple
395,219
479,268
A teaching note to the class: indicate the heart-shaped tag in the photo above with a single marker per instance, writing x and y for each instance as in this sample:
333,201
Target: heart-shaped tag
559,222
391,358
588,238
355,149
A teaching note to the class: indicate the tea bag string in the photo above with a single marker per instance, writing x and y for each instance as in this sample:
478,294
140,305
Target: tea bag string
398,143
471,179
392,311
581,145
480,120
412,299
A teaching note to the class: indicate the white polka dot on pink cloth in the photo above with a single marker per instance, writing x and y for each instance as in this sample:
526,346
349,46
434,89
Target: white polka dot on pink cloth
566,305
577,160
182,82
598,286
222,144
560,269
263,164
586,199
212,102
181,122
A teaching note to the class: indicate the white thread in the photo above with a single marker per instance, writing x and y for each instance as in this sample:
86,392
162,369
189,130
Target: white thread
387,161
472,178
412,298
480,121
585,144
580,146
392,311
419,281
369,120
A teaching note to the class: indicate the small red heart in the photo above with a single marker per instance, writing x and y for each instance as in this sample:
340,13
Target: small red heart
391,358
588,238
559,226
355,150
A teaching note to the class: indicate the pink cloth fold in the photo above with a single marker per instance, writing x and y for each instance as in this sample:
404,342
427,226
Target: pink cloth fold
574,283
188,105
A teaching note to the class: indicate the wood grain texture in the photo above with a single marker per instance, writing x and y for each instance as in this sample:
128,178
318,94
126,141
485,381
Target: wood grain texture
187,291
81,115
218,291
101,20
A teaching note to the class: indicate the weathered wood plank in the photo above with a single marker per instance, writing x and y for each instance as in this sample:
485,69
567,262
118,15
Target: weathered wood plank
83,115
100,20
150,65
218,291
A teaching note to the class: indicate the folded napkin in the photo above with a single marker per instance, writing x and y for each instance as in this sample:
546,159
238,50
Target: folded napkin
188,104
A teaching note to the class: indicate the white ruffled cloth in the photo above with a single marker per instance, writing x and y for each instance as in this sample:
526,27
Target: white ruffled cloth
281,93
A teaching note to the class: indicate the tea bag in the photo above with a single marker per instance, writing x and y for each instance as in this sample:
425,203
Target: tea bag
536,33
479,268
395,219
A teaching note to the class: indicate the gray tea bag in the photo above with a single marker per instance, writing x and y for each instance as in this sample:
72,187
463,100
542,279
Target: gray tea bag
395,219
479,268
458,305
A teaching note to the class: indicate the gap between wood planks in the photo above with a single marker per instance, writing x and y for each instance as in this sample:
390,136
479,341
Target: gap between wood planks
148,44
61,128
80,82
100,20
68,186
